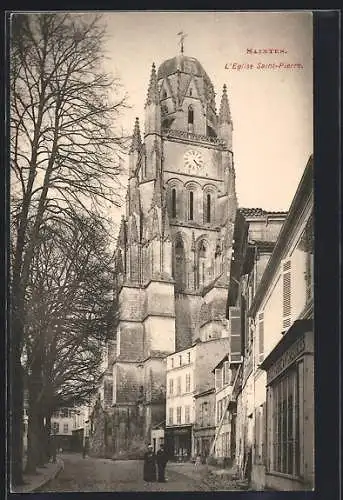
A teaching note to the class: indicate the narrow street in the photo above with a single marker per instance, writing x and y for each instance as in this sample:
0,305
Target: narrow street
97,474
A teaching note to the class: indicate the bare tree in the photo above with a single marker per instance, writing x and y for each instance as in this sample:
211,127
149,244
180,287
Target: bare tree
65,152
71,314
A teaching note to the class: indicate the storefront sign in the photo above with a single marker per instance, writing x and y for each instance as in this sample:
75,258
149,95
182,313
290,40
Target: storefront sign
286,359
178,431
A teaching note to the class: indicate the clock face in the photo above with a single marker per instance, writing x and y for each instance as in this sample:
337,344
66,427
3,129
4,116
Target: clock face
193,159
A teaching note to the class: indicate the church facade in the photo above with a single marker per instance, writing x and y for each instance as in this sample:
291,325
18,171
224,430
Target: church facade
174,247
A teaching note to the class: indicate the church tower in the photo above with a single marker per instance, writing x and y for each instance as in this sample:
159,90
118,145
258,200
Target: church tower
174,246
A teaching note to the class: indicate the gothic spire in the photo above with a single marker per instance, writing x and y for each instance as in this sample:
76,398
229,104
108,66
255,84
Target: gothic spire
152,97
224,111
136,138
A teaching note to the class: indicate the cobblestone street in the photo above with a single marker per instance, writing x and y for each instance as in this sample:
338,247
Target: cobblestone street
99,474
96,474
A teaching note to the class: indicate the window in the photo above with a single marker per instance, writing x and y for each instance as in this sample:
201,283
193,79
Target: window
208,208
170,416
218,378
191,201
65,428
64,413
180,360
188,357
178,415
179,264
286,407
55,427
219,410
172,362
201,261
188,382
226,371
190,115
173,203
190,92
171,387
205,407
187,414
260,337
164,94
178,386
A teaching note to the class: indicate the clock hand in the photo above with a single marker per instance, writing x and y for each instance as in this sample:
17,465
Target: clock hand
197,163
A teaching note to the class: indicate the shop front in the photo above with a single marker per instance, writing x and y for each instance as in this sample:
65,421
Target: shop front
203,439
178,442
290,410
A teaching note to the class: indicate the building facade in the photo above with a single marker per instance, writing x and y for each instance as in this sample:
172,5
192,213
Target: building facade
224,446
188,376
62,422
277,397
174,244
205,422
180,404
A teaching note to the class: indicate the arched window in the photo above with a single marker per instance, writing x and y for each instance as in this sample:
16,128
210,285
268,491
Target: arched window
179,271
208,208
173,203
191,205
202,254
190,115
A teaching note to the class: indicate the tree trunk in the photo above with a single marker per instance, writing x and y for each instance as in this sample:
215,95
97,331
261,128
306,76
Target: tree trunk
42,455
35,419
16,407
48,435
32,441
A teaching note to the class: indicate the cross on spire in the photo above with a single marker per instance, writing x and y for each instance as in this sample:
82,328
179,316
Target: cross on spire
182,36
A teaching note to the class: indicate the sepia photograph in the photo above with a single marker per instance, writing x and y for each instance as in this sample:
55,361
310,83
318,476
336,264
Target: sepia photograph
161,252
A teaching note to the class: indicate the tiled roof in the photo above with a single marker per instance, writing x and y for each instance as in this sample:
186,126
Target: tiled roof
258,212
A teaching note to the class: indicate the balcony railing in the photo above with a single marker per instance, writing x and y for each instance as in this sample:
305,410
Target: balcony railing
183,134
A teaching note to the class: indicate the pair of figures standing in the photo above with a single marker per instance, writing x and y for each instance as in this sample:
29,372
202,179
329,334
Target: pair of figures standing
151,460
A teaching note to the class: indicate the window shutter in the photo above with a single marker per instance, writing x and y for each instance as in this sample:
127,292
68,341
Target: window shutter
286,294
235,333
226,373
260,337
218,375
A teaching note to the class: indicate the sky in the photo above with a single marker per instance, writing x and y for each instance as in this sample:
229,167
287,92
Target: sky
272,109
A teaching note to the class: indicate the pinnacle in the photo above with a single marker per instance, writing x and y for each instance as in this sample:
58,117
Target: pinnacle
152,97
136,138
224,111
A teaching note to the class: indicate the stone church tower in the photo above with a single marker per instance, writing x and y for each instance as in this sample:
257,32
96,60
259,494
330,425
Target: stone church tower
174,246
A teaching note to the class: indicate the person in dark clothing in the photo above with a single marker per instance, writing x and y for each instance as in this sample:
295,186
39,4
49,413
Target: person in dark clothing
161,459
149,471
